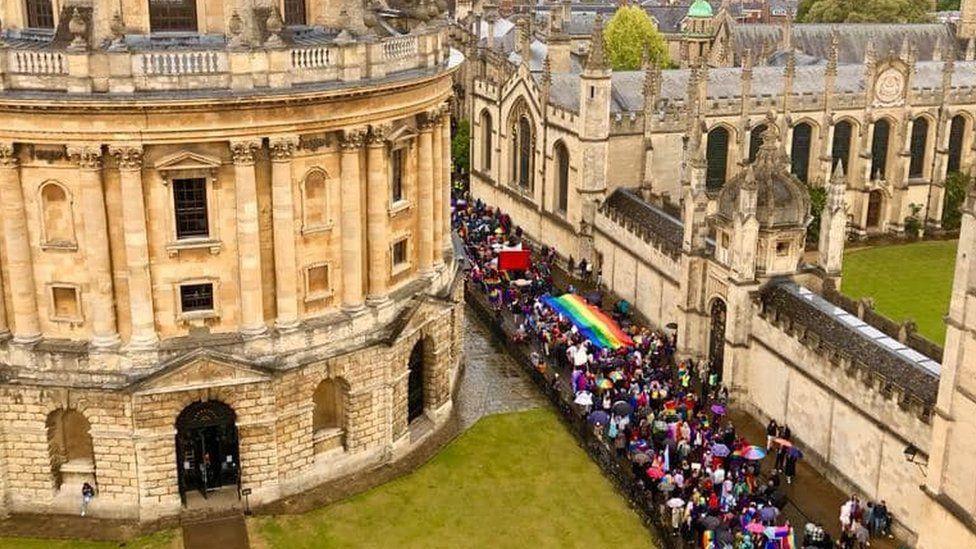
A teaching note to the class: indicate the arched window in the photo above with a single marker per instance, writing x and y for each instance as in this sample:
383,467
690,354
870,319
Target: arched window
800,151
716,156
874,209
755,141
294,12
315,214
840,150
486,144
879,148
415,382
329,408
957,133
70,446
525,154
562,177
919,142
40,14
173,15
58,222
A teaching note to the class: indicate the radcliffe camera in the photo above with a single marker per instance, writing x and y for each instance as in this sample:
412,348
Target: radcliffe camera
681,274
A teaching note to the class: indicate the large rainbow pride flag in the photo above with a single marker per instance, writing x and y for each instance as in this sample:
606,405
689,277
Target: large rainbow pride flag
593,323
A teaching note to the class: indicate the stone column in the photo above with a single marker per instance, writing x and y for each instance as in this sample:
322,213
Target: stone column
283,215
248,240
446,185
437,183
377,215
141,310
97,253
425,195
20,268
351,221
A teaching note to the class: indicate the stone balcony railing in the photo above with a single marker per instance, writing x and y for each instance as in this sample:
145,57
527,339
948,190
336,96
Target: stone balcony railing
210,66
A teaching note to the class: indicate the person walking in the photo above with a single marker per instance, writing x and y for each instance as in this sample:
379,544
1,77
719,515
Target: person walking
87,494
772,431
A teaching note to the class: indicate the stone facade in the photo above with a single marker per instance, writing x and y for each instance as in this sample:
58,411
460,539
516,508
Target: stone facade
252,215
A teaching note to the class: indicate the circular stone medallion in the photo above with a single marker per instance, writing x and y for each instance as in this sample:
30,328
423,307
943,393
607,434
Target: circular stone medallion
890,87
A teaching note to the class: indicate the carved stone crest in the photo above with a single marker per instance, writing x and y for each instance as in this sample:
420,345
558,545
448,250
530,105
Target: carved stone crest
889,89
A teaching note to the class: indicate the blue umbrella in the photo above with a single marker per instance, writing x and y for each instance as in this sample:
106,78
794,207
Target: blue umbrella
720,450
599,417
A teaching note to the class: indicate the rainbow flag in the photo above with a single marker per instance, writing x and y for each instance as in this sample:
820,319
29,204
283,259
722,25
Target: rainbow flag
708,539
593,323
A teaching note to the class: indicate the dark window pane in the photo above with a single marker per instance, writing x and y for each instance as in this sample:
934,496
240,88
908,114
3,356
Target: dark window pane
755,141
396,161
920,134
486,139
800,151
525,154
879,149
40,14
173,15
957,132
841,148
294,12
562,174
190,204
400,252
196,297
717,153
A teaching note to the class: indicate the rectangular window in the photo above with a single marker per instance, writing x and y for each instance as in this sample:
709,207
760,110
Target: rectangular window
317,281
173,15
294,12
65,300
396,185
196,297
782,248
190,204
40,14
400,252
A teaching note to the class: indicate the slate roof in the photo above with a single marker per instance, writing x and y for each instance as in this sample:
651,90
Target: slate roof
913,373
814,39
645,219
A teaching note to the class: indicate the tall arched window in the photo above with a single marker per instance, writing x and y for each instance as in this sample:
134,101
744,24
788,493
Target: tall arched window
415,382
840,150
69,441
58,222
717,157
525,154
957,133
919,142
879,148
40,14
173,15
562,177
755,141
329,409
486,144
800,151
315,214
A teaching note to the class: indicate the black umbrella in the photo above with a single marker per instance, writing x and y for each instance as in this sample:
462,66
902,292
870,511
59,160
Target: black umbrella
622,408
599,418
711,522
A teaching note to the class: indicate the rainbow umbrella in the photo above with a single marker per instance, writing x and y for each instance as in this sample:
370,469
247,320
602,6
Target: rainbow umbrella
752,453
604,383
615,375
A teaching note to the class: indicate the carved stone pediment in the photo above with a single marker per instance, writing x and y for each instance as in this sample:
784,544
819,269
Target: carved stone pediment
201,370
187,160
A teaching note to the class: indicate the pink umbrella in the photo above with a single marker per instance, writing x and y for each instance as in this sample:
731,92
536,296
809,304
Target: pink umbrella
655,472
755,528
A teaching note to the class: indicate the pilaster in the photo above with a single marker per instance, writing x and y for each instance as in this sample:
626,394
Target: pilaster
248,240
437,196
425,194
283,222
448,246
350,220
377,214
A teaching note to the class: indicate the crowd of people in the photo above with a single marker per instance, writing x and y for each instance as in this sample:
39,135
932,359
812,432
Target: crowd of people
666,417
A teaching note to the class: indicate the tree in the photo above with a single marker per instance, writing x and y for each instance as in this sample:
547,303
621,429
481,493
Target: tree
864,11
947,5
461,147
956,185
628,33
818,200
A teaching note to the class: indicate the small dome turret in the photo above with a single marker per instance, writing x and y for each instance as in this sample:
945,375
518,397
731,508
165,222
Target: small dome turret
700,9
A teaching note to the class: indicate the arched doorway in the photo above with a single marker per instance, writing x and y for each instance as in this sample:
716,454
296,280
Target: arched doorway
415,382
207,453
874,209
716,337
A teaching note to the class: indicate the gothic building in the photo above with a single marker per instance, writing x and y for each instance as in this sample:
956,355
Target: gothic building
225,249
689,189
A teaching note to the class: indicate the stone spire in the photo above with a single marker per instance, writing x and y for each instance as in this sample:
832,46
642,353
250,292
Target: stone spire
833,226
596,61
948,68
834,54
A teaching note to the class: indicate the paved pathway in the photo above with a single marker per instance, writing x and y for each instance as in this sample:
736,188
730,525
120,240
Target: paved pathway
227,532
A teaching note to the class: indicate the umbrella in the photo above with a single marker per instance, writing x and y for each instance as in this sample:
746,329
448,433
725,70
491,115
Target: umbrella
522,282
718,409
675,502
599,418
783,442
755,528
768,513
672,325
615,375
752,453
594,297
641,458
720,450
671,405
584,398
711,522
604,383
655,472
795,452
622,408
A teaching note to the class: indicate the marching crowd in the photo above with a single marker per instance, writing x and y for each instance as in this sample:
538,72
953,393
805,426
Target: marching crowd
667,417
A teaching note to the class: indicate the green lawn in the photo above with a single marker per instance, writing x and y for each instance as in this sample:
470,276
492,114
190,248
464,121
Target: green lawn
906,281
165,539
513,480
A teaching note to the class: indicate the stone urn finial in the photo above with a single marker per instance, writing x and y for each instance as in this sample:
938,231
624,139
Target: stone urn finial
77,27
117,26
235,28
275,25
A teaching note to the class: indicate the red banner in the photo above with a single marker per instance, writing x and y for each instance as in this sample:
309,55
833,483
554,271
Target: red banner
514,260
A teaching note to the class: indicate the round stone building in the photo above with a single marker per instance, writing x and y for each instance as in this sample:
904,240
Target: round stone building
226,257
